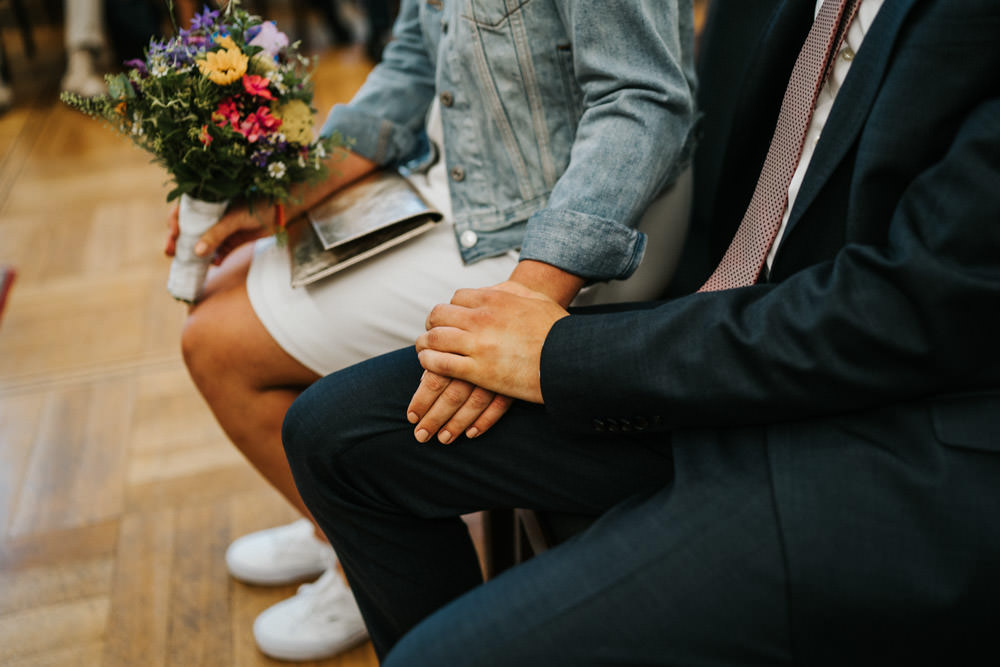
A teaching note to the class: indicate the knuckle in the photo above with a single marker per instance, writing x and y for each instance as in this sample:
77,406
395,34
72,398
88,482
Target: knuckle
456,392
480,399
435,382
434,316
446,365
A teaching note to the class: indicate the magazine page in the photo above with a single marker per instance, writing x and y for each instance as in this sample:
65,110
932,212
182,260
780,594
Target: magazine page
371,203
362,220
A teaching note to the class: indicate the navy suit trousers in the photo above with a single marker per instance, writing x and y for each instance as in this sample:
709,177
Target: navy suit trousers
683,566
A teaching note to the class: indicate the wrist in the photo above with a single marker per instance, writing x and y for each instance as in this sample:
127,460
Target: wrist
559,285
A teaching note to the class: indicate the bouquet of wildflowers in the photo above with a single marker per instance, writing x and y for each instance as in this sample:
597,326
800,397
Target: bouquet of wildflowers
225,107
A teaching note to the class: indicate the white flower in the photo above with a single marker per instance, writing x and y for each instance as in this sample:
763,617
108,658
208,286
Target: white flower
159,68
137,125
276,169
302,161
320,151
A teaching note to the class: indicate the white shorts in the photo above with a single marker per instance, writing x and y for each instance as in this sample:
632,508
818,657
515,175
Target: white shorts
381,304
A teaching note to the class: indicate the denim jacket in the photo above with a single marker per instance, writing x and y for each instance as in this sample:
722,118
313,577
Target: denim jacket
562,119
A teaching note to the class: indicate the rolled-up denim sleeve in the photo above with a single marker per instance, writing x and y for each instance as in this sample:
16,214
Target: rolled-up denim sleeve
385,120
636,127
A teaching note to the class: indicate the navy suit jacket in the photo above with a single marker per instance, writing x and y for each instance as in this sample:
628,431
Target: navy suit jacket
867,361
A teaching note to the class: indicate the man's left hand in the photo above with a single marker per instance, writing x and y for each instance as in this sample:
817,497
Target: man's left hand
490,338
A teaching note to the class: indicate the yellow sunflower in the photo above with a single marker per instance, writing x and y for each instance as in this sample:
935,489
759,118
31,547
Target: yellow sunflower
226,66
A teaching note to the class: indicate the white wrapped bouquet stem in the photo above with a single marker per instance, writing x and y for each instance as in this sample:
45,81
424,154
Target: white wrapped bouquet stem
188,271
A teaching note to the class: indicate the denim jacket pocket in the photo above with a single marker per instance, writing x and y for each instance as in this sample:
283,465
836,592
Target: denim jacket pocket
492,12
970,420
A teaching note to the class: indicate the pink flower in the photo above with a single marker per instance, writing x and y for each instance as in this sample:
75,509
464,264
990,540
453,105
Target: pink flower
257,86
226,112
270,38
257,124
205,137
266,120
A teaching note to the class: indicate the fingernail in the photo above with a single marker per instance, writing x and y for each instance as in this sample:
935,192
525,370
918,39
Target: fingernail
200,248
422,435
411,417
444,437
472,432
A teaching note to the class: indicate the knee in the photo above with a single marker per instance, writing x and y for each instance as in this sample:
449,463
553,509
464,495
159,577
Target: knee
299,427
204,341
316,423
315,436
347,429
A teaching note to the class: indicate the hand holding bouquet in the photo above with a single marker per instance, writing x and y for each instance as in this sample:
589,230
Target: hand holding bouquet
225,107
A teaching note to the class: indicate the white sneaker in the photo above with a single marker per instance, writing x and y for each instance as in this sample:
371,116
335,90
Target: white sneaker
281,555
318,622
80,77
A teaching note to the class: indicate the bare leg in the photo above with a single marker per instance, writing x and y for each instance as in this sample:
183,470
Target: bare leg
247,380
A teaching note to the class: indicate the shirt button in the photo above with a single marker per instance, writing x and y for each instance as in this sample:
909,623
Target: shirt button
457,174
447,99
468,238
444,26
847,54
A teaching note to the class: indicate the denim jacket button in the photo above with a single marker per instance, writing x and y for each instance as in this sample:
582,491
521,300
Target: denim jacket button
457,174
447,99
468,238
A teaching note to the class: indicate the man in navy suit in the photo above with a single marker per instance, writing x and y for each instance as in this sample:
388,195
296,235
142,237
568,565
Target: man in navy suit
803,470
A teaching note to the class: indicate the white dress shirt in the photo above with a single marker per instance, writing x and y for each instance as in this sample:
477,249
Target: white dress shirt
855,34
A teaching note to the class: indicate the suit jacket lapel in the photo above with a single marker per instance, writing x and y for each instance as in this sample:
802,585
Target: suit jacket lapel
854,101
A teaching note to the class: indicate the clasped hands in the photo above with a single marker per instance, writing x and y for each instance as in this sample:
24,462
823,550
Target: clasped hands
479,353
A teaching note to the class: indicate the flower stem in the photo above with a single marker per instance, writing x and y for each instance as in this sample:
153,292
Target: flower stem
172,14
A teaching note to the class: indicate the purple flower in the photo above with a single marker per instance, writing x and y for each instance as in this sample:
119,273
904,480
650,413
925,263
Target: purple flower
259,157
270,38
138,65
204,21
172,51
155,47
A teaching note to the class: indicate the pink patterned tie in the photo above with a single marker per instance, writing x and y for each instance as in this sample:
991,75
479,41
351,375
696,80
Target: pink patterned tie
742,263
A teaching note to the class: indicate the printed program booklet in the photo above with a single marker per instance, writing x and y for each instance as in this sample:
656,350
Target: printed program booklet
360,220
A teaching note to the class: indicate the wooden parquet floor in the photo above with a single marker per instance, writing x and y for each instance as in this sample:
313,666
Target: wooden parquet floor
118,491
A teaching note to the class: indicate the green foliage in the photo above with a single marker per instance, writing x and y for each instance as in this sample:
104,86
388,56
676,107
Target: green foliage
207,109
